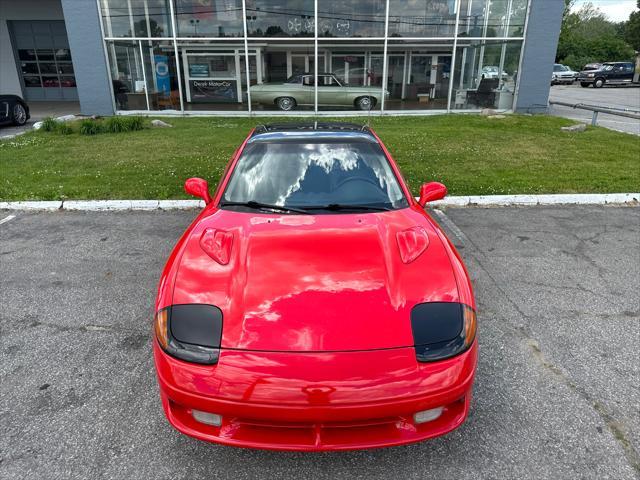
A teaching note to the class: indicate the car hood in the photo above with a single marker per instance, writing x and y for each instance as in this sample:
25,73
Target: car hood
315,282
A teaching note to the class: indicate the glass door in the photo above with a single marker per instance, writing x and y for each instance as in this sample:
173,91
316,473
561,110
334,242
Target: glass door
418,79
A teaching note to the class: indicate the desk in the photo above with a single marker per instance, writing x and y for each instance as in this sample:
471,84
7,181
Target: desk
138,101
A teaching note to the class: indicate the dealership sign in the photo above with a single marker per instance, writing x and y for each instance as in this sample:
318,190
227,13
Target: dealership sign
214,91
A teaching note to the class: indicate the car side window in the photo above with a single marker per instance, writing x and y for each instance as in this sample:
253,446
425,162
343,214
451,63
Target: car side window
329,81
308,81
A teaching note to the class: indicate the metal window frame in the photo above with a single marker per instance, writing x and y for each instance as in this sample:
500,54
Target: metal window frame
357,41
454,49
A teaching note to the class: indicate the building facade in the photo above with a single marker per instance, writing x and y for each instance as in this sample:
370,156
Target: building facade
280,56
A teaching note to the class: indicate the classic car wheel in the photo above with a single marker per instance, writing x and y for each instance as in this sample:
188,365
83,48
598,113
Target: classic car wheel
365,103
598,83
286,103
19,114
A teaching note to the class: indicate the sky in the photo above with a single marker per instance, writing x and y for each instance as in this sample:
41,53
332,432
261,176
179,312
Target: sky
616,10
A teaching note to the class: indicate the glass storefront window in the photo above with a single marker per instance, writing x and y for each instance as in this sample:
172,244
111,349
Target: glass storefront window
214,75
281,57
143,75
136,18
126,75
422,18
356,18
517,18
284,18
485,75
484,18
418,75
354,76
284,76
209,18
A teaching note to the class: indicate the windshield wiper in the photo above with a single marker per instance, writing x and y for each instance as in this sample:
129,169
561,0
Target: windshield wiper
260,205
341,206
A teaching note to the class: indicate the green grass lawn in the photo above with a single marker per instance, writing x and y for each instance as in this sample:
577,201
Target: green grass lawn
469,153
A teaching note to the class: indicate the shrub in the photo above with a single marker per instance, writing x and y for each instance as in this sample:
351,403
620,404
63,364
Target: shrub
90,127
115,125
49,124
123,124
135,123
64,128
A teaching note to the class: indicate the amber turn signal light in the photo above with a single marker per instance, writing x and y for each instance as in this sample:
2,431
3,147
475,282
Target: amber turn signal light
160,326
470,325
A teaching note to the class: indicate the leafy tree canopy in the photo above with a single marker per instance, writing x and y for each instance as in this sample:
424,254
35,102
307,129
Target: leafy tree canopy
588,36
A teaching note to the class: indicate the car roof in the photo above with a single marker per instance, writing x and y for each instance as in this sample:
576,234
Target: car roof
305,131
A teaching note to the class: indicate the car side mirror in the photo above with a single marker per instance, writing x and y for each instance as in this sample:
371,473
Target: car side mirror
431,191
198,188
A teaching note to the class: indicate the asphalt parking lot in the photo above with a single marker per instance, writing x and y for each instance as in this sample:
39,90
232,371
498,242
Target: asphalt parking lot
557,390
627,97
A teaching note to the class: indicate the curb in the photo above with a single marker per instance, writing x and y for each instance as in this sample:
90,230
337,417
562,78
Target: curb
104,205
462,201
532,200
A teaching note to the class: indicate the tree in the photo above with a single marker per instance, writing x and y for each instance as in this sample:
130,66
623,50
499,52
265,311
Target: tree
631,30
588,36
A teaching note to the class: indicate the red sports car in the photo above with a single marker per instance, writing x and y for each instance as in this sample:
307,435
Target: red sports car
314,304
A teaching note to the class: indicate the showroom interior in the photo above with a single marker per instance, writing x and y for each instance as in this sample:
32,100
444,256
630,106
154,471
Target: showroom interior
200,55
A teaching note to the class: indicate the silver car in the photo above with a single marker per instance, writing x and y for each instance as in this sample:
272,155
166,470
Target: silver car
562,74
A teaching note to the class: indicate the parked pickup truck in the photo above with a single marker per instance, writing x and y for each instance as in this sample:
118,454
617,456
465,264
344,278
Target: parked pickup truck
610,73
562,74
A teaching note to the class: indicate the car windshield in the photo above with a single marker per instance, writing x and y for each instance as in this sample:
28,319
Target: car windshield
560,68
607,67
297,78
339,176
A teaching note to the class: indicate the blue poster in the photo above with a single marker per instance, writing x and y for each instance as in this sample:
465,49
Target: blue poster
163,81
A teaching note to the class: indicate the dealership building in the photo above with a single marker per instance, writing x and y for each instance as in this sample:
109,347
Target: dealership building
209,56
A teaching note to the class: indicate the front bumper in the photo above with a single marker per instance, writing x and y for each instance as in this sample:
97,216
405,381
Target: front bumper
316,401
564,79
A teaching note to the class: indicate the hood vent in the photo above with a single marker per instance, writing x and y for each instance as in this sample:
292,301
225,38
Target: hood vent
412,243
217,244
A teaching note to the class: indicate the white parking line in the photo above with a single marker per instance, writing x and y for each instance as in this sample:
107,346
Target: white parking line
447,222
7,219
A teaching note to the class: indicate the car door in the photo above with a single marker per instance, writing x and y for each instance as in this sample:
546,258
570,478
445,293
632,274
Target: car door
306,96
617,74
330,91
627,73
